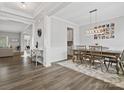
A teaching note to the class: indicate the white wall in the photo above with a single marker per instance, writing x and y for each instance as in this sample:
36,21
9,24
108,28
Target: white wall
54,39
114,44
39,24
57,38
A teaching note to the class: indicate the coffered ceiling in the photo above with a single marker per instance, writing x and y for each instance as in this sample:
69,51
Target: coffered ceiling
15,14
17,9
30,10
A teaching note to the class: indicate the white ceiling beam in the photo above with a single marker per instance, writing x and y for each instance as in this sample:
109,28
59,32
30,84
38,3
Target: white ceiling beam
58,18
39,9
15,12
8,16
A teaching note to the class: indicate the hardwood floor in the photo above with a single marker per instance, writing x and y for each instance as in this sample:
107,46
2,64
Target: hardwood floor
21,74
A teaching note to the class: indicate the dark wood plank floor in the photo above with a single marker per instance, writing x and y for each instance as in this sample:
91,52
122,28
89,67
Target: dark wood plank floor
21,74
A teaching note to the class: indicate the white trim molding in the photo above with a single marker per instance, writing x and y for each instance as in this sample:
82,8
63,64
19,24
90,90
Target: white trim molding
61,19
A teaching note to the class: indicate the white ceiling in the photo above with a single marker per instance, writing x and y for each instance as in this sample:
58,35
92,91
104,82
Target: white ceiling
15,8
11,26
19,18
79,12
32,9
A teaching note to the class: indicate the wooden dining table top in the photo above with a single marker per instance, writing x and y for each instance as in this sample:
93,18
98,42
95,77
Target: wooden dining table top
104,52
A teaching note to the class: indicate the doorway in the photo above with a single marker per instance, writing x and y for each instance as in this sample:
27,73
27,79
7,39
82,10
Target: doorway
27,41
69,42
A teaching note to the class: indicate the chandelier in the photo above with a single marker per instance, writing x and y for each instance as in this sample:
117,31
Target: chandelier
94,29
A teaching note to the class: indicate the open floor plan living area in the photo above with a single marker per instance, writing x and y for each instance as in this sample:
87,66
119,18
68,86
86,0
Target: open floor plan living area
61,46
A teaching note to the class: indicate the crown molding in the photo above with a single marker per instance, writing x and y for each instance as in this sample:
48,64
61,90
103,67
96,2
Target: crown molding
58,7
61,19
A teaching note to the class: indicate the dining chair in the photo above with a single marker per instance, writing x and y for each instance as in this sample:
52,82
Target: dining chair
96,56
112,60
83,55
80,53
121,62
76,56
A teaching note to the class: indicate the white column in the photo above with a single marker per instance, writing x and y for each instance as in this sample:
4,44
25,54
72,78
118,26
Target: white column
47,28
22,42
33,37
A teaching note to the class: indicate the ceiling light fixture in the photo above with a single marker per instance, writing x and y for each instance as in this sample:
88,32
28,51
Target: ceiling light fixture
91,29
23,5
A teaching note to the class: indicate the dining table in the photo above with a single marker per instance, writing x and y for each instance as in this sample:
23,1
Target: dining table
105,53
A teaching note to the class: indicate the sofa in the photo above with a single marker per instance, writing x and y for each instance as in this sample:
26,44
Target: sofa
9,52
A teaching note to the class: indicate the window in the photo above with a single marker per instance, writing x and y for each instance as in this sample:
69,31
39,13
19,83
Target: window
3,42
